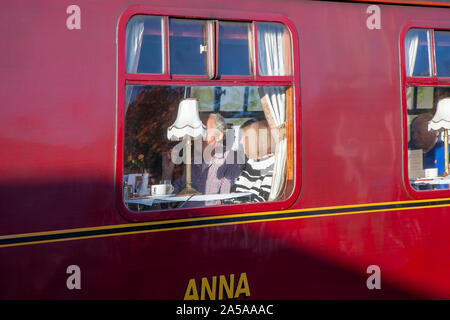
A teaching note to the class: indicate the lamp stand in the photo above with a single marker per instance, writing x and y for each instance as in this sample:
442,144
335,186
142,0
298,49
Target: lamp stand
446,160
188,191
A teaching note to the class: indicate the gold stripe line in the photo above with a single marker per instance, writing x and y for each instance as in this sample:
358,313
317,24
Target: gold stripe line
62,231
240,215
211,225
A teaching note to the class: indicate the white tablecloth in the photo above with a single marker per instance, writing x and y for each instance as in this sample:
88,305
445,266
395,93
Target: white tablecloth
148,201
435,181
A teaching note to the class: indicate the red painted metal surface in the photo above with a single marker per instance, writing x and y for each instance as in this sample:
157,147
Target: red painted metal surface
58,134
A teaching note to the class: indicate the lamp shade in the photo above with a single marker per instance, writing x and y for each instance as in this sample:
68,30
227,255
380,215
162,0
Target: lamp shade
441,119
188,122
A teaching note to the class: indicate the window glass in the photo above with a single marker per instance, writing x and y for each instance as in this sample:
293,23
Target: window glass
234,44
426,112
188,46
442,39
227,99
198,143
240,159
144,46
417,53
274,51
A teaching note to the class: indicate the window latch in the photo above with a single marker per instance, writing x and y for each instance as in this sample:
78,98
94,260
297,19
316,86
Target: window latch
203,48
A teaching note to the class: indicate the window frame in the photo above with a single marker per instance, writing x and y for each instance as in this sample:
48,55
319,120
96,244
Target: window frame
432,81
123,79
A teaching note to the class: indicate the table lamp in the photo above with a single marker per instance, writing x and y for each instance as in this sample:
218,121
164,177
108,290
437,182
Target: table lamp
441,122
187,126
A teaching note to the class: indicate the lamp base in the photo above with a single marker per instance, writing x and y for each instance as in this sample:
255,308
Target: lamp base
188,192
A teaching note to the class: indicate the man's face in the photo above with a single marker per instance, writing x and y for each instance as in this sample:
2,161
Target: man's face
213,136
210,131
245,144
249,141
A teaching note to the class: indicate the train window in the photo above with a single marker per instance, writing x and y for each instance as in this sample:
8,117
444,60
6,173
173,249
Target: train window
192,49
442,39
190,46
234,41
242,159
215,128
417,53
273,36
426,138
144,46
428,108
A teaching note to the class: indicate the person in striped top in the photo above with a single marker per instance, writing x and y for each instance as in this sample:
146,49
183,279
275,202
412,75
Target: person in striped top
256,176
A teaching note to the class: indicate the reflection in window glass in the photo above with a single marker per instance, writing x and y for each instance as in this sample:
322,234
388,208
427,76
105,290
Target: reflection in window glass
234,53
188,47
426,156
226,99
417,53
144,46
442,39
420,98
274,49
236,163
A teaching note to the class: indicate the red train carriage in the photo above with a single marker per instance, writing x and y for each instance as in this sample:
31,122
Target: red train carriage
224,150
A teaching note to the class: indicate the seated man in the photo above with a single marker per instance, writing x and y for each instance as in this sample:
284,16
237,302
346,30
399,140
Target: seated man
256,176
215,175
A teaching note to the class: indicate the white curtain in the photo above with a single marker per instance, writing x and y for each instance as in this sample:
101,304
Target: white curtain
133,43
411,45
272,62
133,35
273,100
271,49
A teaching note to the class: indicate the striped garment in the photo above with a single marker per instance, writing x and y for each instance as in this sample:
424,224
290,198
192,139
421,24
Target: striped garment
256,178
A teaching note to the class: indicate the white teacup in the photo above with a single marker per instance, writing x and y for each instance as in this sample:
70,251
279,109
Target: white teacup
161,189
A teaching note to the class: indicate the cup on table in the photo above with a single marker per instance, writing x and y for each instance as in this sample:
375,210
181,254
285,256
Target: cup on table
161,189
